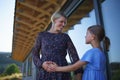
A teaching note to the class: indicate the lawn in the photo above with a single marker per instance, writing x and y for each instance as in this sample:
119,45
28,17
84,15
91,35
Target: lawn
12,77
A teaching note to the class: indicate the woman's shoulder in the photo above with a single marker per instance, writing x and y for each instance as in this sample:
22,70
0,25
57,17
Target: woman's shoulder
43,32
65,34
40,34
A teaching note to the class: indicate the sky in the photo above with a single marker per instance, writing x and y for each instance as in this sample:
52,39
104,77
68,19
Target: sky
6,24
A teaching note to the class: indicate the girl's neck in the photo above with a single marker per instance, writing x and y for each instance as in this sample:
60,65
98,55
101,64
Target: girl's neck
96,45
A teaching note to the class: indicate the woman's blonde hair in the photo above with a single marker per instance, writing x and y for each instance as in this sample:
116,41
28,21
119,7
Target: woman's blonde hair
57,15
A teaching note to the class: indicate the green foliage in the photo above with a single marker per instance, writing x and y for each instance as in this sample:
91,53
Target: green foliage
11,69
3,74
1,69
116,75
16,78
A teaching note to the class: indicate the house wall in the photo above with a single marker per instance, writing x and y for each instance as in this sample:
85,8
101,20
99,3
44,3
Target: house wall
111,18
79,31
29,69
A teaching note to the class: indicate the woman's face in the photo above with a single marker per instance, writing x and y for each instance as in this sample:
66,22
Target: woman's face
59,23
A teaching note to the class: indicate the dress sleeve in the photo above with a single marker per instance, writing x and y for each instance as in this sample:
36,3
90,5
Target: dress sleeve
73,54
87,56
35,52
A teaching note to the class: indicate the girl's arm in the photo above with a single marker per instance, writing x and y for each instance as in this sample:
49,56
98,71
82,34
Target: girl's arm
69,68
73,55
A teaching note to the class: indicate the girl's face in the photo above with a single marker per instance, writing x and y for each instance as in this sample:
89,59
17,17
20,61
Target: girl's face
59,23
89,37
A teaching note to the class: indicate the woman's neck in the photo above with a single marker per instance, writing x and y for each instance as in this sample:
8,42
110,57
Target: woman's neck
53,30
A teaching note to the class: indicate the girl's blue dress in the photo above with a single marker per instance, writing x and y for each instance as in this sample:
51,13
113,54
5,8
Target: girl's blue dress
95,69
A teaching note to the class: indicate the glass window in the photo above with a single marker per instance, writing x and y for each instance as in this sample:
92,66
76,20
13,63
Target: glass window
24,69
30,66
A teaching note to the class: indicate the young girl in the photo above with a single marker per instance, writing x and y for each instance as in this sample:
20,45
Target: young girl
94,59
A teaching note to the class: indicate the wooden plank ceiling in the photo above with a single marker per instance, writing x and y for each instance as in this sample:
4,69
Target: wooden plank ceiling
33,16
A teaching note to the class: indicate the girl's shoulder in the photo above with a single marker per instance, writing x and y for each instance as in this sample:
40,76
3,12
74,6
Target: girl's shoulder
93,50
90,50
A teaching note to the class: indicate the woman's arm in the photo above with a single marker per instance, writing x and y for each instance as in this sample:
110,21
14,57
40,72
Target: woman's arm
69,68
35,52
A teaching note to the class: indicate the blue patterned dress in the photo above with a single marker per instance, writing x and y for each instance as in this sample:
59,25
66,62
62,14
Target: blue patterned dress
53,47
95,69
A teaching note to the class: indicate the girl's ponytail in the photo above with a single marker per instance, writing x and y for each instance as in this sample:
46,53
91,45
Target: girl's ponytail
106,42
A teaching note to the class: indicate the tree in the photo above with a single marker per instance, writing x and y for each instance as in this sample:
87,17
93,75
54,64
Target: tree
1,69
12,68
116,75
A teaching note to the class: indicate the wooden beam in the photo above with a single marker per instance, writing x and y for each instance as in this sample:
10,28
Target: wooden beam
32,18
54,2
24,23
34,8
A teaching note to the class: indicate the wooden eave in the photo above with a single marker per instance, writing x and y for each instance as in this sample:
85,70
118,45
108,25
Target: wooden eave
33,16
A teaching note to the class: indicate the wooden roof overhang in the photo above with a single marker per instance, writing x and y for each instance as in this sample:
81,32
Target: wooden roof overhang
33,16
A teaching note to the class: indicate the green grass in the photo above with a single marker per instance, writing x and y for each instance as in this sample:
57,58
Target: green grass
16,76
